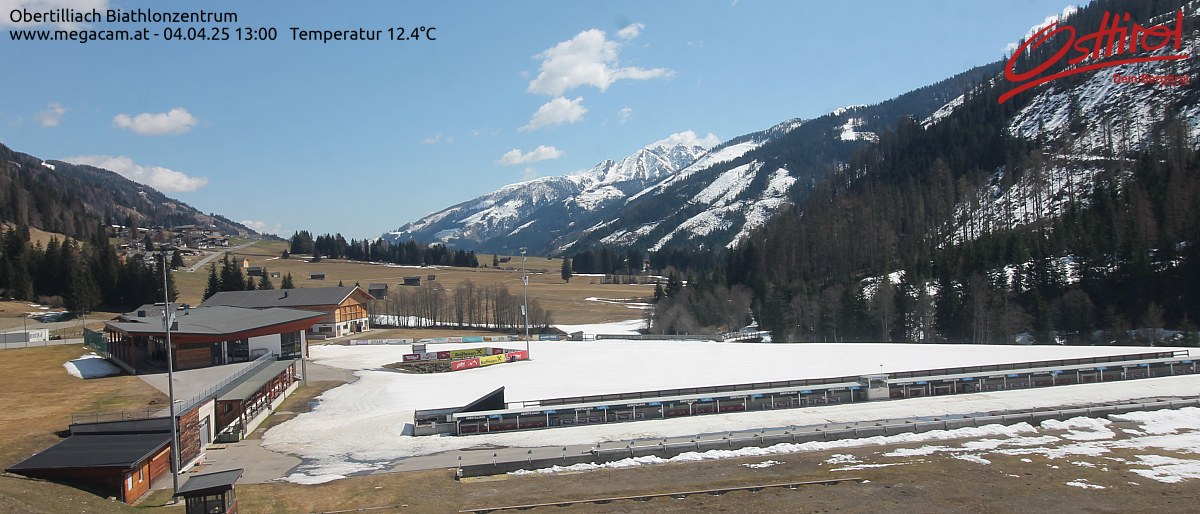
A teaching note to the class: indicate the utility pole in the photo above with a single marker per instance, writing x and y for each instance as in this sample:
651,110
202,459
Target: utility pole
525,307
167,319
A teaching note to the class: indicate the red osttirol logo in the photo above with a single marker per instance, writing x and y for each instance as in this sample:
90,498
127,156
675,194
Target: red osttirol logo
1112,40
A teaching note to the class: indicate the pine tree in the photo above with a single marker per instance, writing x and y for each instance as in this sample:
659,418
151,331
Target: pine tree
566,270
287,282
176,260
214,284
264,282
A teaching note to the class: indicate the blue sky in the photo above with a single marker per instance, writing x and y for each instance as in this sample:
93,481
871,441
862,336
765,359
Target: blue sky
362,137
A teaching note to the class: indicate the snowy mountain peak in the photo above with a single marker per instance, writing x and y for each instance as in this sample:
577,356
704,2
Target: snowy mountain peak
533,208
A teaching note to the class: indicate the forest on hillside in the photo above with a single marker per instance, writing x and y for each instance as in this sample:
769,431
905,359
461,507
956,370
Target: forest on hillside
879,251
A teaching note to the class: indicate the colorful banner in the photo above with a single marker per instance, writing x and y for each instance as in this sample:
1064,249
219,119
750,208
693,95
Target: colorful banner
491,359
470,352
464,364
497,351
520,355
443,356
472,339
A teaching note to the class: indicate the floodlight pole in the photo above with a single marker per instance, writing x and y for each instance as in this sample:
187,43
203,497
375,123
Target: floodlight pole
170,381
525,308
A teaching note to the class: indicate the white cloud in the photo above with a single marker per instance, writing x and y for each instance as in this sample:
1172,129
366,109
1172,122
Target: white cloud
541,153
437,138
689,138
163,179
51,115
625,114
588,59
528,174
7,6
631,31
263,227
174,121
556,112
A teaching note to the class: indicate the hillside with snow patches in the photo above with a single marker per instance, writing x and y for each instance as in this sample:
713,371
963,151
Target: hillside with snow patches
1110,120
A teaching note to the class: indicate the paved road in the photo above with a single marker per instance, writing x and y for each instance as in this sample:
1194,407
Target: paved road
216,254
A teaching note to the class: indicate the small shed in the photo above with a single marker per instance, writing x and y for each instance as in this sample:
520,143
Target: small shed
255,271
431,278
412,281
316,276
274,274
211,493
378,290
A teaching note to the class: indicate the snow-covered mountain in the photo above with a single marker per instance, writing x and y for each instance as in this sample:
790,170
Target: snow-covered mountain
682,191
526,213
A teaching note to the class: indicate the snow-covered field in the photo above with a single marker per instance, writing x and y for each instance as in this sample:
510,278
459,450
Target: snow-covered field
364,425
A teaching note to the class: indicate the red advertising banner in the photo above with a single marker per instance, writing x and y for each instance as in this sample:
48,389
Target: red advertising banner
443,355
412,357
460,365
519,355
497,351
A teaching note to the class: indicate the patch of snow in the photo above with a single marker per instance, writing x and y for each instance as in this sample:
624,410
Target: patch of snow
973,458
1169,470
1082,483
763,464
1081,428
91,366
857,467
842,458
850,134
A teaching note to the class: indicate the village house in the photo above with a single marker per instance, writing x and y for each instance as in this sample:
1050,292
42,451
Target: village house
344,308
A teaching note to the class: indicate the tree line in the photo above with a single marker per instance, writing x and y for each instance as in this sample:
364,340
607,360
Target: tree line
79,275
468,306
379,250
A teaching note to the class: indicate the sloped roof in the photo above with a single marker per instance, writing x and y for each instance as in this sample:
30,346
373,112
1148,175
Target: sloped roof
217,320
96,451
303,297
209,483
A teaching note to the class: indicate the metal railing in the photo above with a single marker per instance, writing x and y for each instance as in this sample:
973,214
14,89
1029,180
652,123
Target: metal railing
198,398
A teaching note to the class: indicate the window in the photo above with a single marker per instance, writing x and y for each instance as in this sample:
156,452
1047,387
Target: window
289,345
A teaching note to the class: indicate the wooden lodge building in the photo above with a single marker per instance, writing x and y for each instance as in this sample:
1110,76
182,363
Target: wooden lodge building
119,459
206,336
122,459
344,308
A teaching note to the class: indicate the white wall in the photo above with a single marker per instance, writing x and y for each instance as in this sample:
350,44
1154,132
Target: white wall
270,342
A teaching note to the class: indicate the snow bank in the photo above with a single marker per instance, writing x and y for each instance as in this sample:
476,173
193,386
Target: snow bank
90,366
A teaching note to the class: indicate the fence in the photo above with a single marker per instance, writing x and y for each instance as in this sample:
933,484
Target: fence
35,344
804,435
259,363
